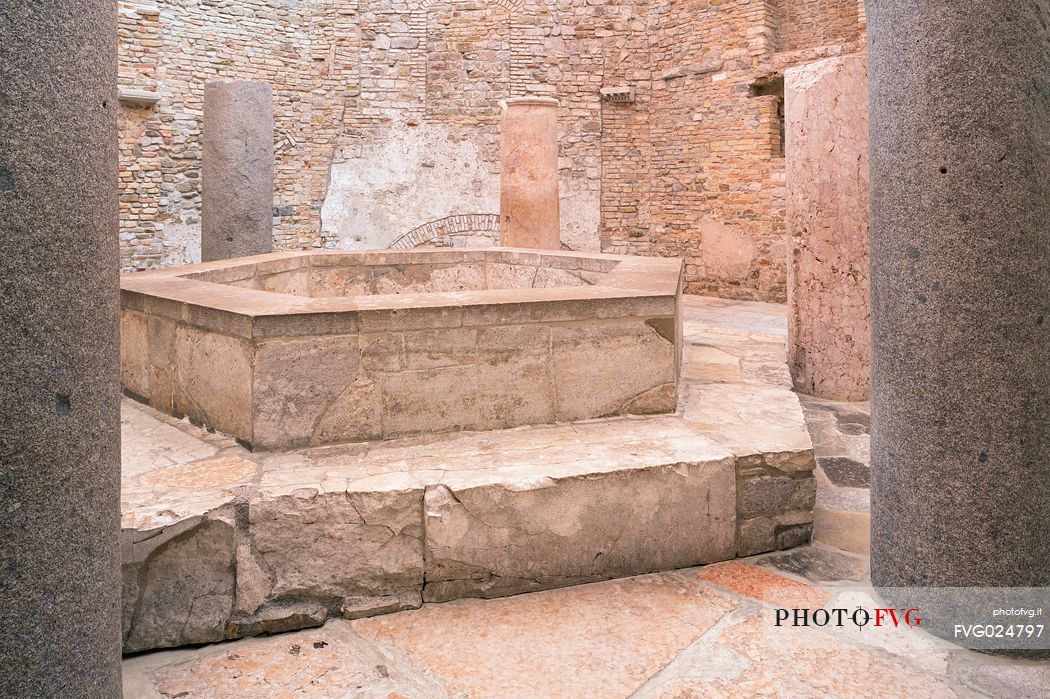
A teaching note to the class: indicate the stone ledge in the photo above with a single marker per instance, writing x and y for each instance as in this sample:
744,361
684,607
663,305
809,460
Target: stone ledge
238,544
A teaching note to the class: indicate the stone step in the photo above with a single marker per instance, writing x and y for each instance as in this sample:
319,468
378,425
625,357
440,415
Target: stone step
841,518
221,543
841,445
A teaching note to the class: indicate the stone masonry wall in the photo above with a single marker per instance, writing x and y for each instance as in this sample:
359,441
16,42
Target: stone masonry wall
809,23
387,119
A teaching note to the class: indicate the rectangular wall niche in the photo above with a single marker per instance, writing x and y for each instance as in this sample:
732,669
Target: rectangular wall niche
770,90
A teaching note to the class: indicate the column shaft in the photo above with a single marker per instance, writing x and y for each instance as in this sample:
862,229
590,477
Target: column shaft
237,170
829,340
59,365
960,252
529,206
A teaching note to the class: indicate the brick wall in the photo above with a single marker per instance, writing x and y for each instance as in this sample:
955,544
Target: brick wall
387,119
809,23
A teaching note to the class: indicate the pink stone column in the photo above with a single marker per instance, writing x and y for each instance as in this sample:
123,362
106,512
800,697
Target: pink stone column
829,346
528,200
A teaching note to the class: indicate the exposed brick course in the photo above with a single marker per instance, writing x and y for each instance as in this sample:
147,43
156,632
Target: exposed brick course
689,165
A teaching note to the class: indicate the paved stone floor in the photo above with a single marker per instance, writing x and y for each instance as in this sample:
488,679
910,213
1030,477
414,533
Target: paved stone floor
695,632
702,632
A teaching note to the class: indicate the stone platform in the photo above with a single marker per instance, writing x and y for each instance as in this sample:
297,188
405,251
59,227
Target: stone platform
220,542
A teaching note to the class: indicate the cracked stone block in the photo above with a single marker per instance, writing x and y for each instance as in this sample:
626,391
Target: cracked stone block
279,619
181,590
331,541
536,532
297,382
596,367
253,583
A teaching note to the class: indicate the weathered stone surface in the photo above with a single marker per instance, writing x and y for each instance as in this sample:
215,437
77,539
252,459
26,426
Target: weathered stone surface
212,380
297,383
960,248
765,494
756,535
59,392
237,169
330,662
529,208
826,117
586,515
328,540
613,634
180,590
594,375
762,418
414,342
180,538
818,563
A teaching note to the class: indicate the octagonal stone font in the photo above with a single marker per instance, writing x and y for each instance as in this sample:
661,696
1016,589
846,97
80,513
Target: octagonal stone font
293,349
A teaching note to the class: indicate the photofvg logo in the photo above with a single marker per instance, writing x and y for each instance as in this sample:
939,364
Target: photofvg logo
982,618
859,617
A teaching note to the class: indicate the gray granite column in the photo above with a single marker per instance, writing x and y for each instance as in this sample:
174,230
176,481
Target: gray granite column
59,366
237,170
960,254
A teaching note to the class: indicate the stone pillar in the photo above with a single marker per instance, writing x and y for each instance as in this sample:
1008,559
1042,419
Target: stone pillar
960,252
829,347
60,630
528,191
237,172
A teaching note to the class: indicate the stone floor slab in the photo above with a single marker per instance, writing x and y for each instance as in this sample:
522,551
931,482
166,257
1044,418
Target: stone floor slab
764,585
330,662
819,564
599,640
746,657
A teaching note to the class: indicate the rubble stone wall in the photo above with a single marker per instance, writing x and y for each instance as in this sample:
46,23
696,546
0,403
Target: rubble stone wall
387,119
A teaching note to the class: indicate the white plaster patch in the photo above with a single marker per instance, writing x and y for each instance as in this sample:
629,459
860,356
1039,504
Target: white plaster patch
182,244
580,215
411,176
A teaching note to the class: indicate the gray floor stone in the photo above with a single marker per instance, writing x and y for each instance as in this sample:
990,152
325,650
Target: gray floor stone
818,563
